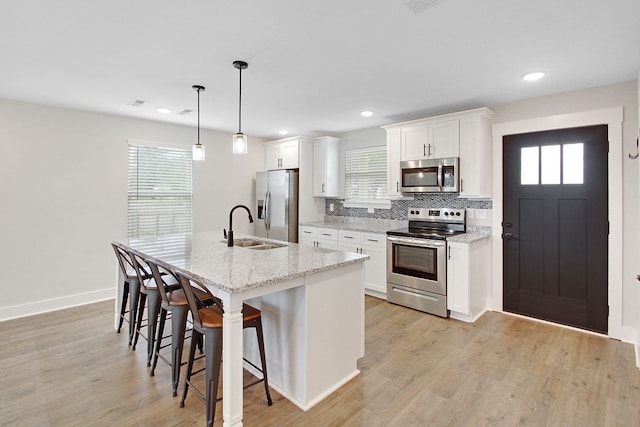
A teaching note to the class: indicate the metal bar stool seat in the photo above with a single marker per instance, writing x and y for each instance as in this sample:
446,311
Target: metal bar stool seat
207,322
173,301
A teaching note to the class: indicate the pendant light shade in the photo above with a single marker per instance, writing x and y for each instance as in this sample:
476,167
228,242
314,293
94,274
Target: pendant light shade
240,139
198,149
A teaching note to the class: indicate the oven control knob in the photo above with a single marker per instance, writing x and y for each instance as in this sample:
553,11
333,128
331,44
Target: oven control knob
446,213
457,213
412,212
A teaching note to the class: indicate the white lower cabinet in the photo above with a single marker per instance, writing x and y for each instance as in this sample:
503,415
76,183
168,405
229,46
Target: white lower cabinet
468,279
374,245
318,237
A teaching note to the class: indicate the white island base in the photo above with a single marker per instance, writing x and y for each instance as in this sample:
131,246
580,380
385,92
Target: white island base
314,334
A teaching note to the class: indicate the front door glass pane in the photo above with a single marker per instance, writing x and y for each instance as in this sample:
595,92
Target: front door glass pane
550,164
529,165
573,163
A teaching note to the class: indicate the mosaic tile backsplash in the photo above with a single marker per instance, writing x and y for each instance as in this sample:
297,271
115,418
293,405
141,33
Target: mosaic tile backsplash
399,208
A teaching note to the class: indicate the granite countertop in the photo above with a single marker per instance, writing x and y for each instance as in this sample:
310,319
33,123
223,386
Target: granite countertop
206,257
467,237
359,224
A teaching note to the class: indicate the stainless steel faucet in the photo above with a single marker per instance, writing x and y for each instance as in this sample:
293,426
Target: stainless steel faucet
229,234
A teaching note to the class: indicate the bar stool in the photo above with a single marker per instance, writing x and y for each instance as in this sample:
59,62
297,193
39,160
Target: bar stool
130,288
149,293
172,301
207,322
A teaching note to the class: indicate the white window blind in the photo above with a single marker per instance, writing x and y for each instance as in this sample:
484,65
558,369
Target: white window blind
160,191
366,173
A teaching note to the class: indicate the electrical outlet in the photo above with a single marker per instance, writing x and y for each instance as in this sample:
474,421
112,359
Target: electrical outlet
470,213
331,207
370,210
481,213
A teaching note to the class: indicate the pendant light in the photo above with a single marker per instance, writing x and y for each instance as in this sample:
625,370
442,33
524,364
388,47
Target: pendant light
198,149
240,139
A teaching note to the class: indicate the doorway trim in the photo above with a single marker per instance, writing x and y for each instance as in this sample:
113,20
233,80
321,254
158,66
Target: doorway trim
611,117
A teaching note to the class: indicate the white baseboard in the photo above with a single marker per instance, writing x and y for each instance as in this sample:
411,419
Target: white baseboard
53,304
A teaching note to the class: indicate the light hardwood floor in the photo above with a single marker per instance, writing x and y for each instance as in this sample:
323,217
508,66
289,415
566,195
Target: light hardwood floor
70,368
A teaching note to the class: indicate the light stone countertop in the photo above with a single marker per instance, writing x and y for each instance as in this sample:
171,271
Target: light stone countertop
359,224
467,237
206,258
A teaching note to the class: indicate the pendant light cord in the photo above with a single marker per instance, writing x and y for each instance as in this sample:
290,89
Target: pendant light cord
198,116
240,103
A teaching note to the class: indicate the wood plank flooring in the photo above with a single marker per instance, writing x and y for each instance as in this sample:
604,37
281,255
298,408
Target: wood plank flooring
69,368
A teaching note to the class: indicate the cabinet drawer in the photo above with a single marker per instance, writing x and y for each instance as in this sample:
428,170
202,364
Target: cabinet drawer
327,234
373,239
307,231
347,236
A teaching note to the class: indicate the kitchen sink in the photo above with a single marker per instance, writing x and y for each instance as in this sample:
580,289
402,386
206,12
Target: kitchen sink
255,244
267,246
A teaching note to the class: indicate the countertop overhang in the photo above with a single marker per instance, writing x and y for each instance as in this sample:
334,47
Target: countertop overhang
207,258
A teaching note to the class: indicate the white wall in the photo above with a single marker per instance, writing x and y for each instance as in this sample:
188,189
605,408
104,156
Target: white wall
63,192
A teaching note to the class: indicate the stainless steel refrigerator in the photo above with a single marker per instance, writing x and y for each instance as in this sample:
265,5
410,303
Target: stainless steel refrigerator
277,205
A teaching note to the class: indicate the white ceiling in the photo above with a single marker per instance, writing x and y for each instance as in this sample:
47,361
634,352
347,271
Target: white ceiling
313,65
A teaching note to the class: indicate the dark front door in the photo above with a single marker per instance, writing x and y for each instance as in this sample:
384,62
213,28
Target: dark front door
555,226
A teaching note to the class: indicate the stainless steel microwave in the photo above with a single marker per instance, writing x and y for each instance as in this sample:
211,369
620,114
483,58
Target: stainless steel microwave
430,175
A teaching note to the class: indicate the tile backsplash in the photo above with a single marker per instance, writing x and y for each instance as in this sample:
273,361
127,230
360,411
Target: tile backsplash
399,208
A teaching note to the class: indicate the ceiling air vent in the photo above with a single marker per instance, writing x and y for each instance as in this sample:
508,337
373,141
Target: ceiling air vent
184,112
417,6
137,102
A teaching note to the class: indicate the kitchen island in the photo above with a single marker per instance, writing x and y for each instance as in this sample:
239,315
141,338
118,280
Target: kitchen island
312,303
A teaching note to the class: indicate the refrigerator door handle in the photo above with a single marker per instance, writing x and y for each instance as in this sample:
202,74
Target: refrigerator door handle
267,223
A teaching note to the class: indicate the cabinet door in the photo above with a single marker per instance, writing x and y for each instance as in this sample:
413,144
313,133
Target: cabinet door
394,154
289,155
308,235
319,168
444,139
458,277
272,157
414,142
475,157
375,270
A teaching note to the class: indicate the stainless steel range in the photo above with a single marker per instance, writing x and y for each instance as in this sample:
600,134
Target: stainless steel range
416,259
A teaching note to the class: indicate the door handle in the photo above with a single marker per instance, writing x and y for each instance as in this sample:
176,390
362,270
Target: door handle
509,236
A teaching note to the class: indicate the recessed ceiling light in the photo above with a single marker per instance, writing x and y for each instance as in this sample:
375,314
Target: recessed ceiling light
163,110
283,132
366,113
536,75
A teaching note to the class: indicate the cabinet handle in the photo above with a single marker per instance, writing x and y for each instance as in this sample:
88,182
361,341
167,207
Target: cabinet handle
449,250
429,150
322,188
373,240
397,187
424,150
326,234
306,232
461,185
347,237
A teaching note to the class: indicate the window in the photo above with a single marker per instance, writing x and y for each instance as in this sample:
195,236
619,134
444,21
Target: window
366,173
552,164
159,191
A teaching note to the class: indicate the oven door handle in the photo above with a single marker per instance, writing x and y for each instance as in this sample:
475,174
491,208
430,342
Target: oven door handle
424,243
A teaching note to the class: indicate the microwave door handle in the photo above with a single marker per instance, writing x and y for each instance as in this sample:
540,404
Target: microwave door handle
440,176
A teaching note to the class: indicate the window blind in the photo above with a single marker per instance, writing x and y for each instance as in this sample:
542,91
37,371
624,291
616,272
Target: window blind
366,173
159,191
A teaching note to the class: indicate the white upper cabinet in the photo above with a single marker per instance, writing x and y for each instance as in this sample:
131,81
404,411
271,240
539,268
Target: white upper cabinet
466,134
282,154
431,140
476,156
394,148
326,175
